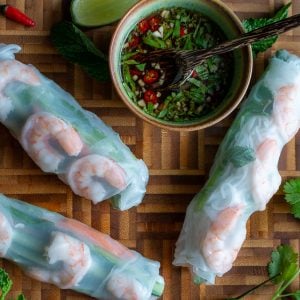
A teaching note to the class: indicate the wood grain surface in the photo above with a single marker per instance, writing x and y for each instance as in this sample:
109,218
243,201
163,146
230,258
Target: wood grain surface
178,163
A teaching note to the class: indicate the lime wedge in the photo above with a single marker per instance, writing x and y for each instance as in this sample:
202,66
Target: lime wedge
91,13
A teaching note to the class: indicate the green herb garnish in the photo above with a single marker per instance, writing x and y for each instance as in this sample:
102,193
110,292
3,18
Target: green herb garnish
154,42
5,286
283,269
176,31
141,67
76,47
252,24
240,156
292,195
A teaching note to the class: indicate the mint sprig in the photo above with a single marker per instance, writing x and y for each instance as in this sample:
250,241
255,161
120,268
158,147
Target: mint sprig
255,23
77,48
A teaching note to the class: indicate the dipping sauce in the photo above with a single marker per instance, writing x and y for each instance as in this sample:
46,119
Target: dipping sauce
176,28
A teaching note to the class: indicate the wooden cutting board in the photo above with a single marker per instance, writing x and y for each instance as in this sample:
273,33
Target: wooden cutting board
178,163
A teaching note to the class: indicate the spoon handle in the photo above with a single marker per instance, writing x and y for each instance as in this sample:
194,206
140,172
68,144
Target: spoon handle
245,39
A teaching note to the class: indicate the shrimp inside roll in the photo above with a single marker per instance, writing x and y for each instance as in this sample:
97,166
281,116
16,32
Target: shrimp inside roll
96,177
71,257
6,234
49,140
11,71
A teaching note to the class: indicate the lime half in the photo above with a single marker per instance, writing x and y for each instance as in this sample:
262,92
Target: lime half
91,13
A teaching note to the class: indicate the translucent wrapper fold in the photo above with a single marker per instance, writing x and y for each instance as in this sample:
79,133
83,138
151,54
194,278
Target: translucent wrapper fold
71,255
63,138
244,176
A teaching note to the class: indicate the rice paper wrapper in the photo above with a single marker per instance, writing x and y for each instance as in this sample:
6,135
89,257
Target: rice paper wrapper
72,255
63,138
244,175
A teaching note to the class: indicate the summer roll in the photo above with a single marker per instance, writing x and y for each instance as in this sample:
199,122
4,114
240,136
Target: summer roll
71,255
63,138
244,176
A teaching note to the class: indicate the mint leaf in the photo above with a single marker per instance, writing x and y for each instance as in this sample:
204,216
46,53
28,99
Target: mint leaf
240,156
283,264
77,48
21,297
263,101
252,24
292,195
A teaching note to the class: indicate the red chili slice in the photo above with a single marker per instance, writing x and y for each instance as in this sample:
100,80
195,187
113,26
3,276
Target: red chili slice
135,72
182,31
143,26
150,96
194,74
139,57
151,76
134,42
154,23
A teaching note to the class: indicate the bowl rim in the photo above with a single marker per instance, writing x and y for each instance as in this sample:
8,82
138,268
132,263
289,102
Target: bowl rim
187,127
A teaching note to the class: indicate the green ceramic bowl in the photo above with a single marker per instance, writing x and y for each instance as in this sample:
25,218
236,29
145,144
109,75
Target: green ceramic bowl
225,19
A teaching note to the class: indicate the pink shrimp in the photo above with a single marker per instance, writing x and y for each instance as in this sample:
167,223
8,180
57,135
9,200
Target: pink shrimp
6,233
38,138
75,257
122,286
100,239
89,176
11,71
266,179
221,243
286,116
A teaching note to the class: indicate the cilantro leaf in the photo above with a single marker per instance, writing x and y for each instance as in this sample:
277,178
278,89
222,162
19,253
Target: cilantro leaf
283,264
5,284
253,23
76,47
292,195
283,270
